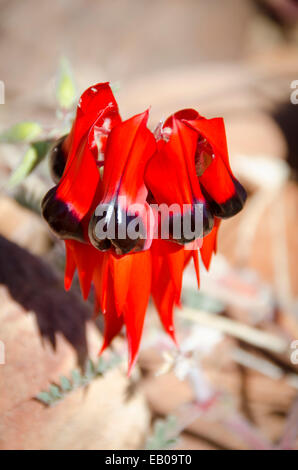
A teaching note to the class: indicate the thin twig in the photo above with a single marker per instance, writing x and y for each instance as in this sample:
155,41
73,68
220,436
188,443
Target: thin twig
247,432
290,434
246,333
263,366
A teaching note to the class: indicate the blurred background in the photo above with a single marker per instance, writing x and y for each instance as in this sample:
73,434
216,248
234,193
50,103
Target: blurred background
234,383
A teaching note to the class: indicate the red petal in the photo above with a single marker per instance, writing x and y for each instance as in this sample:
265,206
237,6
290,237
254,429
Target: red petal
79,182
129,147
170,174
85,258
195,255
166,290
209,245
171,177
164,296
121,273
65,206
70,265
113,322
226,193
97,102
137,302
214,131
174,256
100,280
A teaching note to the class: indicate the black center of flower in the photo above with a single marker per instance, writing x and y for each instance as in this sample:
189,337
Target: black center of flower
57,160
112,226
191,225
62,220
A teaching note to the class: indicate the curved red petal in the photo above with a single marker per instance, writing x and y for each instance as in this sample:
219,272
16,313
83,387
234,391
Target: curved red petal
209,245
129,146
85,257
175,262
100,280
165,293
137,302
172,179
121,268
195,255
165,297
123,212
113,322
96,104
170,174
70,265
226,193
65,206
214,131
79,182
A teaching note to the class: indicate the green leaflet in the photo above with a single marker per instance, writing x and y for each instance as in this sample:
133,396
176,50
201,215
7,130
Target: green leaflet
66,90
58,392
26,131
33,156
164,435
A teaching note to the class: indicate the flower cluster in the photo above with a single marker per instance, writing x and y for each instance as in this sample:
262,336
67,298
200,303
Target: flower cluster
115,164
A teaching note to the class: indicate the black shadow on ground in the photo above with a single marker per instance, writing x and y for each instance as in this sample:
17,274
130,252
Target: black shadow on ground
34,285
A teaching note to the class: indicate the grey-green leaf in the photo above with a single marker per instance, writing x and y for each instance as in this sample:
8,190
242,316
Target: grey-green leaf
90,370
65,384
101,366
26,166
33,156
26,131
164,435
197,300
45,398
55,392
66,90
76,378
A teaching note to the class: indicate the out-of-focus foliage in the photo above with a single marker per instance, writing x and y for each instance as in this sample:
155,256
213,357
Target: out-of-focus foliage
58,392
26,131
164,435
194,299
66,90
33,156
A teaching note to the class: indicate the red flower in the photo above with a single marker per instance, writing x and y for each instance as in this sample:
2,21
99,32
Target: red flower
187,165
192,166
129,147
